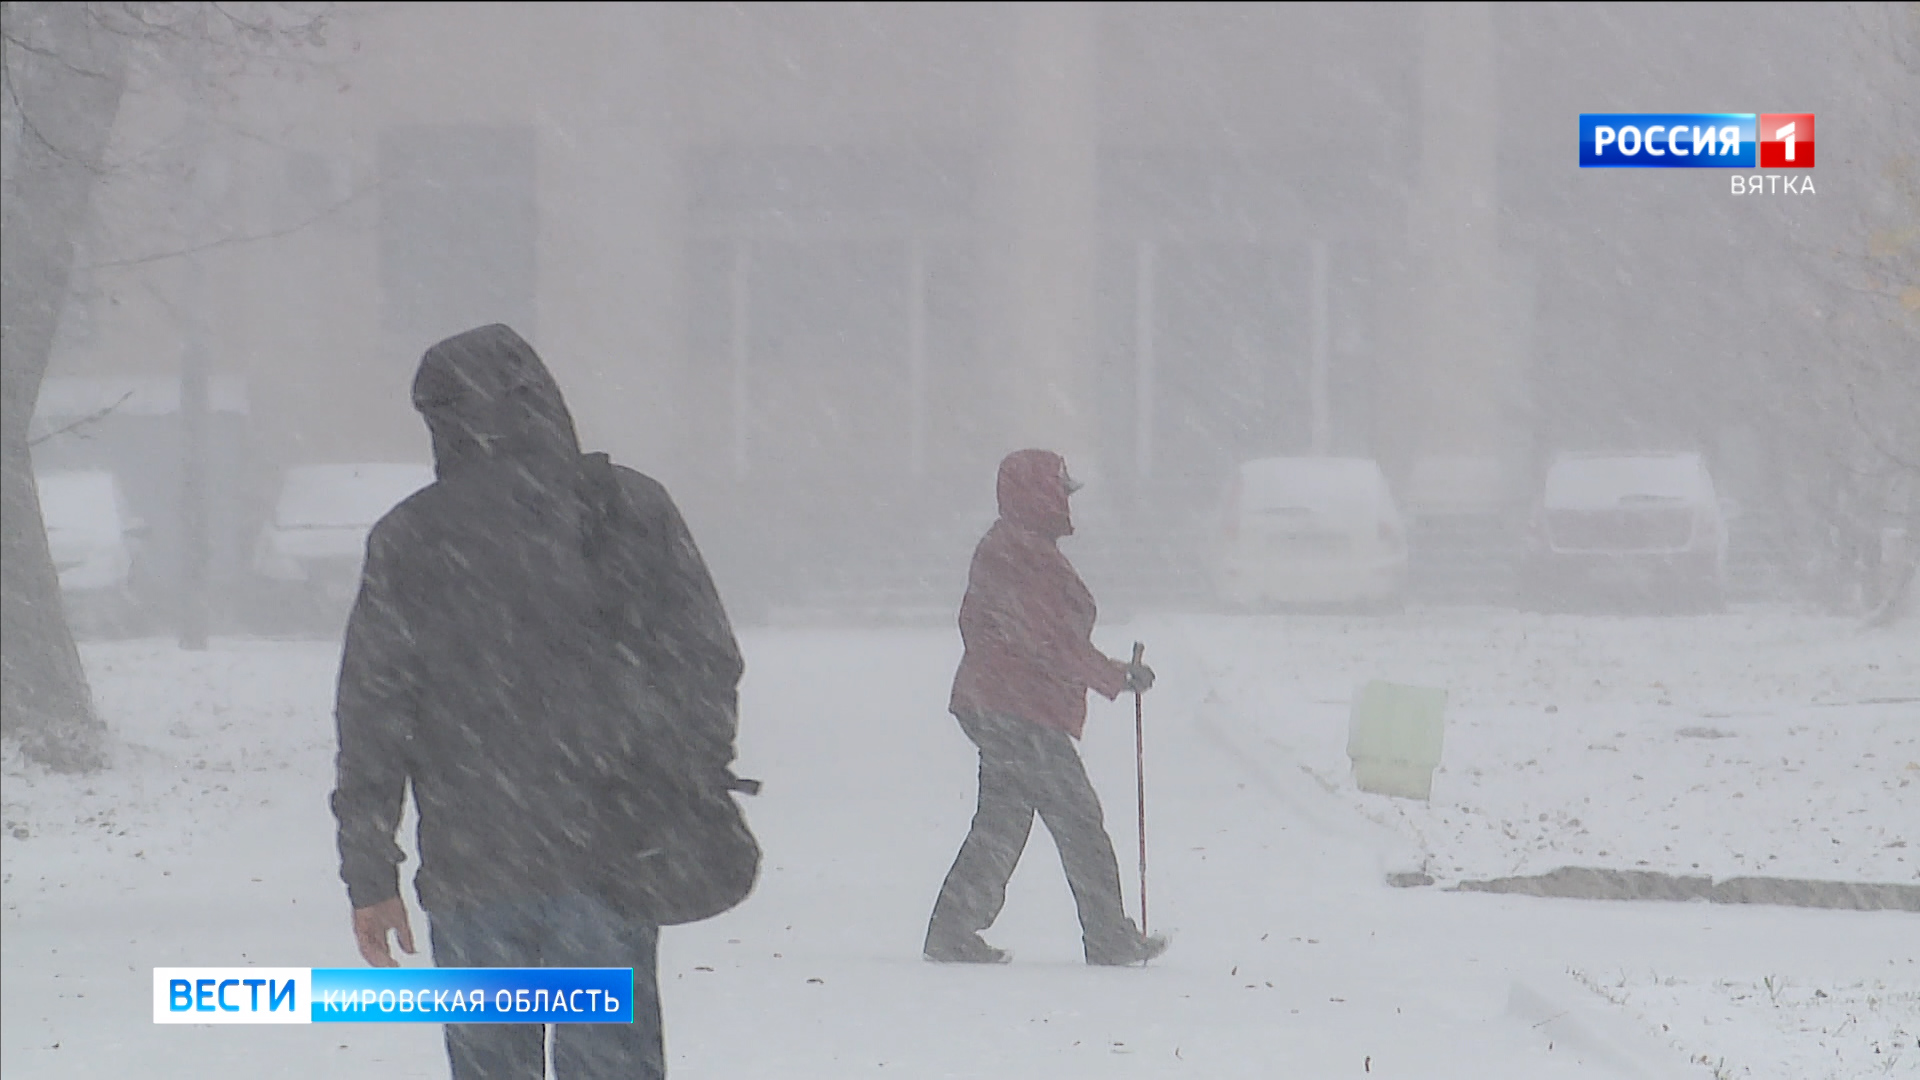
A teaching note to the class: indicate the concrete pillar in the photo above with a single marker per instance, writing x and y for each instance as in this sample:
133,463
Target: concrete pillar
1461,363
1042,206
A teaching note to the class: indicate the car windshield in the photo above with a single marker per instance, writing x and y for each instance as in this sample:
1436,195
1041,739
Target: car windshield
1603,483
346,496
81,504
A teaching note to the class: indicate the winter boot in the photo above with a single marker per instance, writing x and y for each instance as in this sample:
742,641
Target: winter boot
962,947
1128,946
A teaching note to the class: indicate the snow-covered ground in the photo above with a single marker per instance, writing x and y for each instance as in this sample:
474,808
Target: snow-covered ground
209,843
1759,743
1777,1028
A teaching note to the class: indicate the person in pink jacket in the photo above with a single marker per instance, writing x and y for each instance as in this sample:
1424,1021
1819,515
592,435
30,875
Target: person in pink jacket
1021,698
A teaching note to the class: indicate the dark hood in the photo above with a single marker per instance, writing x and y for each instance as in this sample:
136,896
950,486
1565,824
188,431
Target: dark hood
1033,492
487,397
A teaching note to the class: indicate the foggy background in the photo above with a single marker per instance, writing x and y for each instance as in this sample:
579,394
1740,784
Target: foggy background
818,267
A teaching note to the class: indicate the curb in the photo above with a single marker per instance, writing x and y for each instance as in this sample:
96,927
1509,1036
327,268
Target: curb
1596,883
1402,863
1563,1014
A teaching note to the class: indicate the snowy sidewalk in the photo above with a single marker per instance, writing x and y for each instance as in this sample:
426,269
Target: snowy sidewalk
210,843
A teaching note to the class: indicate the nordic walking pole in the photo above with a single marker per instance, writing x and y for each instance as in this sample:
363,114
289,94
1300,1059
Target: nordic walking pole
1140,785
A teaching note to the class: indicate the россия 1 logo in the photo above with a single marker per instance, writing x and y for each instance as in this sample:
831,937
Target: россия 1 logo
1696,140
1786,140
1667,141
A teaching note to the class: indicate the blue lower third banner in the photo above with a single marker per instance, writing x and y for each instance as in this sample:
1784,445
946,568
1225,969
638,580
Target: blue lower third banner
248,995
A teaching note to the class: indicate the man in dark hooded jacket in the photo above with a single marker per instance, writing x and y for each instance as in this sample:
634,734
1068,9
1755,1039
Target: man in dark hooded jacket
1021,697
475,672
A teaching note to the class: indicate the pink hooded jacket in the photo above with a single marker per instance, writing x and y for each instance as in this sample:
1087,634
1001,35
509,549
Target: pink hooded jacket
1027,617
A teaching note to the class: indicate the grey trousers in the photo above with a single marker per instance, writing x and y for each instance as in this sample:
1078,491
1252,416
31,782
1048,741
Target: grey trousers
1027,769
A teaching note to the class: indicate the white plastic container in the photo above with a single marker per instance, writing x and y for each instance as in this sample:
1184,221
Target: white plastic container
1394,737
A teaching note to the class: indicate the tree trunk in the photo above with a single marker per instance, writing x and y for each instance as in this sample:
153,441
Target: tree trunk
64,78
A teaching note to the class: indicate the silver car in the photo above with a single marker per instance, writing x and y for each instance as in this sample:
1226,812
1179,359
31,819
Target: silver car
1308,532
96,543
1635,528
311,551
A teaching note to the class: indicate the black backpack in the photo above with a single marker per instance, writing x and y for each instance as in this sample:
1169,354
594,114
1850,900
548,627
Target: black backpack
671,844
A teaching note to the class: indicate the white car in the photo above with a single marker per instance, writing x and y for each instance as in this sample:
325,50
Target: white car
1311,531
1648,527
317,538
95,541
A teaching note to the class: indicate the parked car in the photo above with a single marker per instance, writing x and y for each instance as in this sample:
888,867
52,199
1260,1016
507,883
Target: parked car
1643,528
96,543
310,552
1311,531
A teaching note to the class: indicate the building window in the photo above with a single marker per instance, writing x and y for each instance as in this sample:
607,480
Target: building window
1229,324
863,185
833,297
848,357
458,229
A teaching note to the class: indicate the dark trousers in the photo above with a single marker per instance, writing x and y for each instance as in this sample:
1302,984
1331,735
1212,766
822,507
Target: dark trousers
1027,769
565,931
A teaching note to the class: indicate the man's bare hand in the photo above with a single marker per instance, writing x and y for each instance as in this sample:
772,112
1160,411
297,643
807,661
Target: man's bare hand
371,925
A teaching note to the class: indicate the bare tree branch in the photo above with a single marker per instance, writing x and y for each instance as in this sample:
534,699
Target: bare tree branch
83,422
233,241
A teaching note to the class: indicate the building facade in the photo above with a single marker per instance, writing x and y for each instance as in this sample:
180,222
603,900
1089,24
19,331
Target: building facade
820,266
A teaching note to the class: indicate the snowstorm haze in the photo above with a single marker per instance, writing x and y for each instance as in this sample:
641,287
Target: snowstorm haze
1387,413
819,266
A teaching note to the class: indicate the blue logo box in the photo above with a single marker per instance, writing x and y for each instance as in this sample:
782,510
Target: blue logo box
1668,141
